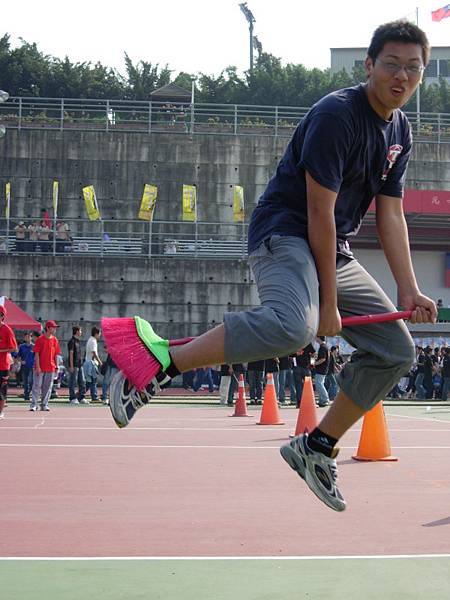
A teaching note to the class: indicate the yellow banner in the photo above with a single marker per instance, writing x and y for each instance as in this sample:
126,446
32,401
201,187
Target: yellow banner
55,198
148,202
189,203
91,203
238,204
8,200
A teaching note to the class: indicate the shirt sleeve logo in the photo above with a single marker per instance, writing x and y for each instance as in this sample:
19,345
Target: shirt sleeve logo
392,155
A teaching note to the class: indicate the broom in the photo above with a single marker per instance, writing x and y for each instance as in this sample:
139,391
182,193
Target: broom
140,353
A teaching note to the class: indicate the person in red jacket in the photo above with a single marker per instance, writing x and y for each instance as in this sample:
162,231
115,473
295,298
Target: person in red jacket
7,344
46,349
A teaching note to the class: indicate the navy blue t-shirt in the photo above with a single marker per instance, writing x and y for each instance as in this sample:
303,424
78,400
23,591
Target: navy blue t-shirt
26,354
346,147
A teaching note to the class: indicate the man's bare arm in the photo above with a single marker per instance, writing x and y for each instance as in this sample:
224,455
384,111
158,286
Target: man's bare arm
393,234
322,240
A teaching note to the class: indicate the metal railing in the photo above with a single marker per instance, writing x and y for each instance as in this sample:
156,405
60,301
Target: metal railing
175,117
125,238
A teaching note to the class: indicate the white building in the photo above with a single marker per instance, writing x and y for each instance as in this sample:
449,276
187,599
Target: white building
348,58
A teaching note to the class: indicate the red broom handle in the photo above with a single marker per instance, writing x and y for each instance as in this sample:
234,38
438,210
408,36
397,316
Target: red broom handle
346,322
379,318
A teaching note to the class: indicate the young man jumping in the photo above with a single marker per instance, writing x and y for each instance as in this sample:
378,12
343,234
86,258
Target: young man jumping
352,146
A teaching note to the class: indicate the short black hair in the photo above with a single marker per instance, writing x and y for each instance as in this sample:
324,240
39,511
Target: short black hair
94,331
399,31
76,329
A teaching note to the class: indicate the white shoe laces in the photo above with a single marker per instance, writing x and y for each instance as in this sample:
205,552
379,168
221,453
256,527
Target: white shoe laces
333,471
138,399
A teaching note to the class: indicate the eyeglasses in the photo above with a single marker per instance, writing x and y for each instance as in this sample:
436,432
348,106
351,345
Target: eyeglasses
394,68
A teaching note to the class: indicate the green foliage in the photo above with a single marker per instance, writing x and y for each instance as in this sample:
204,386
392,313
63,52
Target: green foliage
25,71
144,78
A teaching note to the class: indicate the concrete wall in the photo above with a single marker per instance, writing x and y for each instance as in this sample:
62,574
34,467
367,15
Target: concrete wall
119,165
180,297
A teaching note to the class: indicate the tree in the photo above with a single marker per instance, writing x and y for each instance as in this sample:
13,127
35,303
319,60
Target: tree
144,78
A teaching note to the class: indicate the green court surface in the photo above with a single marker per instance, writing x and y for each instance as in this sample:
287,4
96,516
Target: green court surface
367,578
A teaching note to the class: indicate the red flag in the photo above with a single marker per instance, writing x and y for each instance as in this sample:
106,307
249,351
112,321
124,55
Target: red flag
441,13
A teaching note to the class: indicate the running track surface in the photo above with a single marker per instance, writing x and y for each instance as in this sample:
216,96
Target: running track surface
208,509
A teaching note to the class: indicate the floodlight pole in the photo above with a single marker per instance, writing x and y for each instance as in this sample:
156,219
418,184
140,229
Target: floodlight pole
250,20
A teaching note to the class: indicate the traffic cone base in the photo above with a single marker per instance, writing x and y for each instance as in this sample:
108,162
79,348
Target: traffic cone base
385,458
240,409
270,414
307,415
374,442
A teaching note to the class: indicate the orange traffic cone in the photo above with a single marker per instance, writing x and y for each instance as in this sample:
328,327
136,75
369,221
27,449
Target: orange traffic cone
240,409
307,416
269,413
374,441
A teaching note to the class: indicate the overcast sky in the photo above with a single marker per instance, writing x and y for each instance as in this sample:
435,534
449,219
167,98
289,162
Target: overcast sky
205,35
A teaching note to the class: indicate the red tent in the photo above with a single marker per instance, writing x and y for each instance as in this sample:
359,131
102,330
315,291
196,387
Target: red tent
18,318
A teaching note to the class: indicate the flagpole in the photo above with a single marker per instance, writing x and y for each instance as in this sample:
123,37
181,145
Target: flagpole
196,226
8,211
418,87
55,212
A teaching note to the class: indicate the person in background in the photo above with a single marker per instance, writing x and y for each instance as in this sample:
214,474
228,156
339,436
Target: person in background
44,237
107,370
92,363
285,378
188,380
46,350
428,372
62,236
445,373
45,218
226,372
321,370
33,234
8,344
255,376
330,380
301,368
20,230
26,356
76,373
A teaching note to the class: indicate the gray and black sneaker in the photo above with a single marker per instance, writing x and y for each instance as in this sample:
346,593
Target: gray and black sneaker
319,471
125,400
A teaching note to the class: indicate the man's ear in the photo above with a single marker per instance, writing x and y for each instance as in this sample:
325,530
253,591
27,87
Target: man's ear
368,66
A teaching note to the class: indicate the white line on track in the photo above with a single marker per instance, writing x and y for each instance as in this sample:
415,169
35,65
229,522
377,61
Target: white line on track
215,558
199,447
424,418
234,429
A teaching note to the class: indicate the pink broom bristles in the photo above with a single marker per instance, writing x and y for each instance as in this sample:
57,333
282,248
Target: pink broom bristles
129,352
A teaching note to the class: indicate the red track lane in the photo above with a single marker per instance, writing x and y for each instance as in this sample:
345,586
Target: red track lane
237,498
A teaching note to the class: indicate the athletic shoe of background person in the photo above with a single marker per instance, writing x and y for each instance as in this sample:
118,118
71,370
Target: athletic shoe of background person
319,471
125,400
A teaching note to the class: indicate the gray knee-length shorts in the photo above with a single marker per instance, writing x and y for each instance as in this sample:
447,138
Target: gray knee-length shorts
288,318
